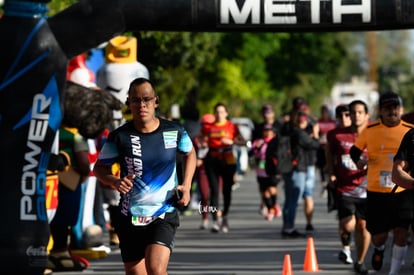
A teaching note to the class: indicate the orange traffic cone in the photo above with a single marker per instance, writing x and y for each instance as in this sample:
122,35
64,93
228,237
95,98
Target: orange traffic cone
311,263
287,266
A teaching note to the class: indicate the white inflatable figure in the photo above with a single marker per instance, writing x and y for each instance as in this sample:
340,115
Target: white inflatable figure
120,68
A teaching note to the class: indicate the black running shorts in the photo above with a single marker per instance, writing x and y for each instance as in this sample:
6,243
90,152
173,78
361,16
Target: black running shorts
385,211
133,240
348,206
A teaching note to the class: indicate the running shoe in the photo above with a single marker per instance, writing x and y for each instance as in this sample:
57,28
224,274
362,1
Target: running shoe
216,227
278,211
235,186
270,216
204,224
360,268
292,234
225,225
309,228
377,259
345,256
263,210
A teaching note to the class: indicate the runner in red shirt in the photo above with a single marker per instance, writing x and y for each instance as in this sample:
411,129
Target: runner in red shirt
350,184
220,162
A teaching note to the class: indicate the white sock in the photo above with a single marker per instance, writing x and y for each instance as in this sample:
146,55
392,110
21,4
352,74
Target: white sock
397,258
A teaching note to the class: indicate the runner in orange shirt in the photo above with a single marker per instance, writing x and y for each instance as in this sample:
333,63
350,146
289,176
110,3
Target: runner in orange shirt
381,139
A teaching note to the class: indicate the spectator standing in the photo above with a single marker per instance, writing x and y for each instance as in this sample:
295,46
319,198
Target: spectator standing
220,162
303,147
146,149
312,125
349,182
267,183
381,139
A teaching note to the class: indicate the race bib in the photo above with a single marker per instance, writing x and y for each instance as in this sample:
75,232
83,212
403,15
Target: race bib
385,179
142,221
262,164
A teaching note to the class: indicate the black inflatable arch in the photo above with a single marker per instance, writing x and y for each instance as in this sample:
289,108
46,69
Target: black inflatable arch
34,52
269,15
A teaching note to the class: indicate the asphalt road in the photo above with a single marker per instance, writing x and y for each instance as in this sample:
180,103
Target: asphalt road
252,245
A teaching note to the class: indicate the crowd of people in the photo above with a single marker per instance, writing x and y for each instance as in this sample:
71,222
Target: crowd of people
366,166
363,162
363,165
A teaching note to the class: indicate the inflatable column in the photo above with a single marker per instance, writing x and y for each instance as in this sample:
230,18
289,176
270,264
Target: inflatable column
30,116
34,51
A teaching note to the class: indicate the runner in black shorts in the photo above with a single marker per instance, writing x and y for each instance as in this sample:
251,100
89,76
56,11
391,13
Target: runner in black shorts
398,206
349,183
403,171
146,149
382,139
134,239
267,182
348,206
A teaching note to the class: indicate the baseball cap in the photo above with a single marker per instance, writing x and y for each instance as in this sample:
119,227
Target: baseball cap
267,109
302,116
208,119
389,99
303,107
298,103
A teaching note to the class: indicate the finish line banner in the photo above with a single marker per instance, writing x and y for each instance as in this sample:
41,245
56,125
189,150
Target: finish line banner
269,15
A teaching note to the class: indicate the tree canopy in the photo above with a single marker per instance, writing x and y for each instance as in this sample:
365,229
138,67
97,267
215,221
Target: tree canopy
246,70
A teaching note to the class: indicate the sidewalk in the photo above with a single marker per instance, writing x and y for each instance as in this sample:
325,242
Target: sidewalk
253,245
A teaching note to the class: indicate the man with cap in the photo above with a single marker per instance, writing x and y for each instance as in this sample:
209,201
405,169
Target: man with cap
268,115
381,140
